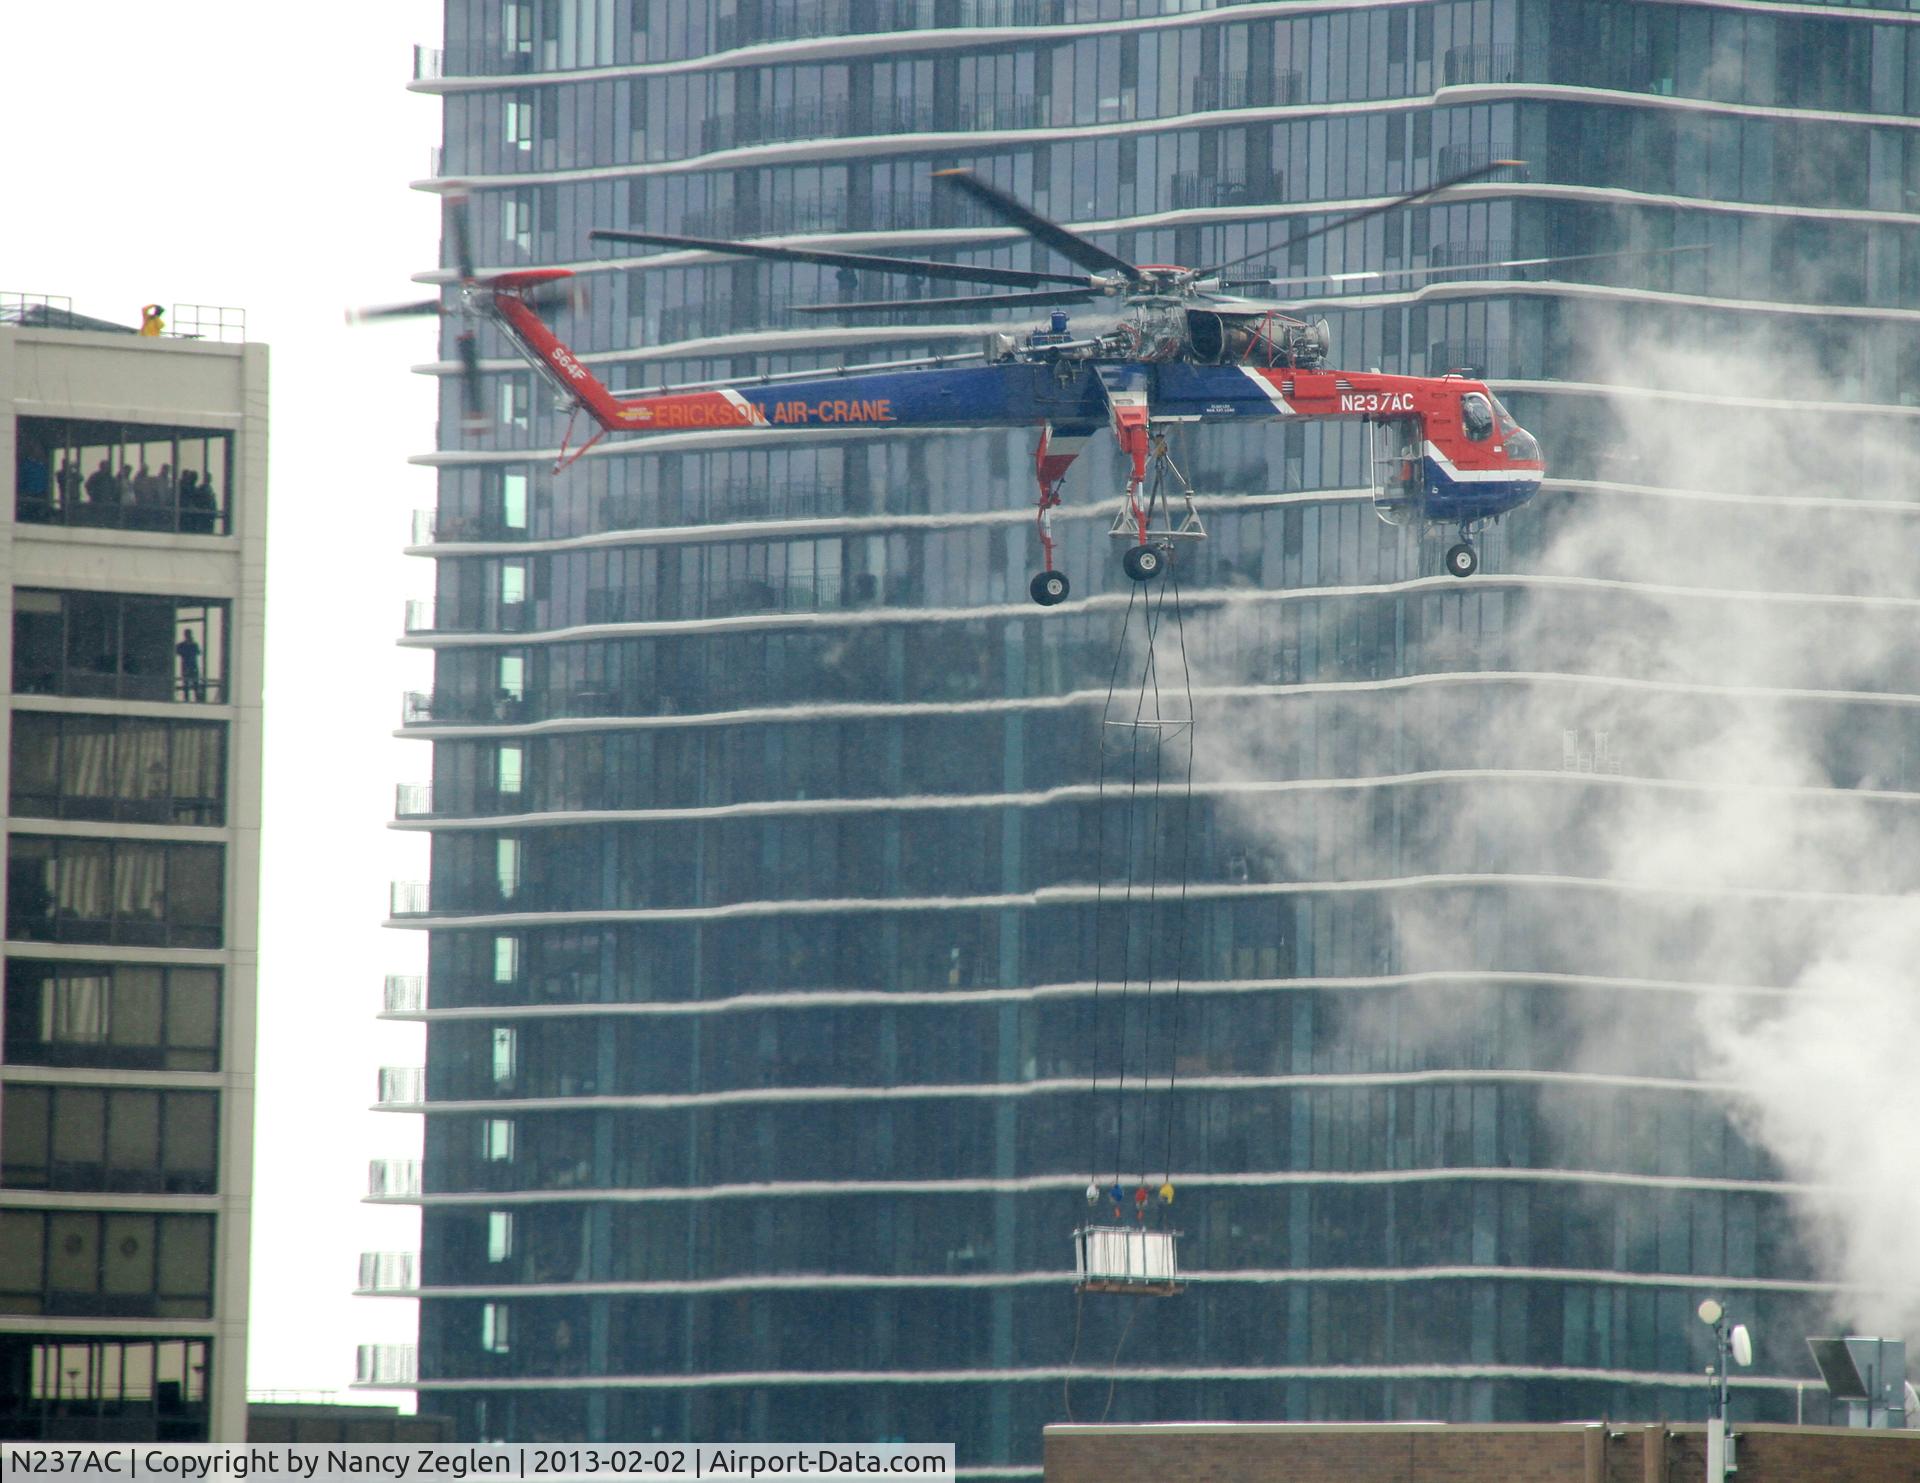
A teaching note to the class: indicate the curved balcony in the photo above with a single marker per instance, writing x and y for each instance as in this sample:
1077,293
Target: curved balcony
408,898
890,211
402,1086
386,1364
822,119
393,1179
1248,90
404,993
388,1272
412,800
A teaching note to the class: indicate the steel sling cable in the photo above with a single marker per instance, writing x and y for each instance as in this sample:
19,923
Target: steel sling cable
1126,940
1153,889
1099,890
1186,847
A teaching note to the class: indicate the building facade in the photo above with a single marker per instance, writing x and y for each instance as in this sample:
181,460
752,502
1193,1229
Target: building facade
134,565
770,893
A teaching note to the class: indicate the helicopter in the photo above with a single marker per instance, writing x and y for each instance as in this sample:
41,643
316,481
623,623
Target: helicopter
1180,346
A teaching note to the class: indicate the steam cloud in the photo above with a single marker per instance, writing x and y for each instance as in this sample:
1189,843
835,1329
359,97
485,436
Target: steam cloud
1749,579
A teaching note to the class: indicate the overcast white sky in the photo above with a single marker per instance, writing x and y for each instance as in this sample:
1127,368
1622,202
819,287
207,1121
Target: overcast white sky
258,155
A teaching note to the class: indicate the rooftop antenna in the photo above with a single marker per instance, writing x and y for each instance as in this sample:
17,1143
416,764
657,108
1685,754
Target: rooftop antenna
1729,1342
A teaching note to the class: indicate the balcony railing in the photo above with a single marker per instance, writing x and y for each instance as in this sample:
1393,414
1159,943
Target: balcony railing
890,211
412,800
420,615
393,1179
747,499
408,898
403,1086
418,707
386,1364
404,993
1494,62
824,119
1192,190
1247,90
754,595
388,1271
796,20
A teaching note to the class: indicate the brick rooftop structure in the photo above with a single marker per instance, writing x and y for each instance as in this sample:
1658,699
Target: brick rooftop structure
1581,1452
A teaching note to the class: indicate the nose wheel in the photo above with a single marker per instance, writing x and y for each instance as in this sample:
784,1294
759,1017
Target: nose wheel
1143,563
1049,587
1463,560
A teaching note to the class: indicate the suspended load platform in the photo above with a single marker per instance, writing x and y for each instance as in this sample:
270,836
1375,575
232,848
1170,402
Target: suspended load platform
1126,1259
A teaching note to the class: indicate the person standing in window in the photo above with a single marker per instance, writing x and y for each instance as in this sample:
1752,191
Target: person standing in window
192,686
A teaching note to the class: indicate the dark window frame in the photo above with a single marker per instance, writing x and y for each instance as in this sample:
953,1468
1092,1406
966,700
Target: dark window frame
32,996
176,1115
168,807
34,913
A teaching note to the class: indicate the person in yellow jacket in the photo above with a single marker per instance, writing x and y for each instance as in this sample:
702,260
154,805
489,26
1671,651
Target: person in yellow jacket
151,322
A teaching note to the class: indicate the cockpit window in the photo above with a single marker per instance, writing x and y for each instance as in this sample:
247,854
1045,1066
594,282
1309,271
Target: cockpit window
1476,416
1508,427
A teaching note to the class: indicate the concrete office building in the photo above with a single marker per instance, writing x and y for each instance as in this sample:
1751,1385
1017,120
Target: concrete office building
758,1081
134,569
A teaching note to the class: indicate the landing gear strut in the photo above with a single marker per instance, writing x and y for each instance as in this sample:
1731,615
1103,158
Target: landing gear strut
1147,491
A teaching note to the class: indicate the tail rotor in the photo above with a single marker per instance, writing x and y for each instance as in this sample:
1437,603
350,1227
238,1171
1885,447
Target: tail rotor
472,297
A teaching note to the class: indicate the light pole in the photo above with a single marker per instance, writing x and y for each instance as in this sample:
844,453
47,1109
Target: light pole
1732,1341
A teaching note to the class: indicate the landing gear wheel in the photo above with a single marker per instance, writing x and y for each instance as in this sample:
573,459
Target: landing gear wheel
1462,560
1049,588
1142,563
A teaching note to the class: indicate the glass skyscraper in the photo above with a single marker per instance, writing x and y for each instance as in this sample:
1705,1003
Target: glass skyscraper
763,919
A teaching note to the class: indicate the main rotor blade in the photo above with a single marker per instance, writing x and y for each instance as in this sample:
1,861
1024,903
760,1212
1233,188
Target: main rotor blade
1463,178
462,243
963,301
470,379
1070,245
393,311
906,267
1511,262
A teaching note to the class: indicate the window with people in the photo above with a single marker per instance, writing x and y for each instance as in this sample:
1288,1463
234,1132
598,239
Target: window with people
120,645
123,475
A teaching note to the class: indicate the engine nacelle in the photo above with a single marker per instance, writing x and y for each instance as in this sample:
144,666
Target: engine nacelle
1223,337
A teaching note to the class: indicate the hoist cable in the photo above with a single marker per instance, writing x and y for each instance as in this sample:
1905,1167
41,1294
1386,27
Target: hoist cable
1066,1380
1126,937
1186,847
1113,1365
1099,888
1153,891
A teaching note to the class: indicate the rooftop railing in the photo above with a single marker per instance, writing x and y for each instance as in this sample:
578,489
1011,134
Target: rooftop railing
217,322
